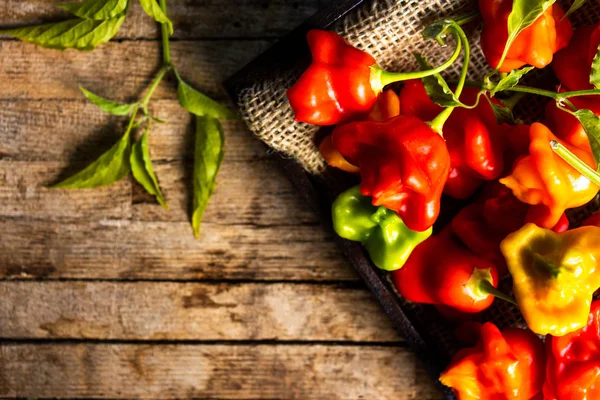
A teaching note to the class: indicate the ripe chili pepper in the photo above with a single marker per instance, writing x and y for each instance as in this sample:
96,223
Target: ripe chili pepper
547,182
483,225
337,85
474,142
573,64
403,165
503,365
441,271
535,45
554,276
573,362
384,235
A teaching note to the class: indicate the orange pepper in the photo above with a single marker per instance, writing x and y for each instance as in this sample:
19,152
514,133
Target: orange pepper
547,182
535,45
503,365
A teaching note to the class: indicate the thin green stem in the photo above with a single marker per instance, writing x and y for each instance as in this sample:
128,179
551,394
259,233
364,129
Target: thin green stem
381,78
486,287
533,90
157,79
131,124
438,122
575,162
164,29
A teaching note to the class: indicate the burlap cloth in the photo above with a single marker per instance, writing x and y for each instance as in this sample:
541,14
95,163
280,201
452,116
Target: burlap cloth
391,31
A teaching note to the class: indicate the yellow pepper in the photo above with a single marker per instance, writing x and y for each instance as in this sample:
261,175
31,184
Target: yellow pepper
554,276
547,182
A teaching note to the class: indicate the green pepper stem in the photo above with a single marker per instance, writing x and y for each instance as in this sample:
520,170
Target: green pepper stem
437,124
486,286
381,78
164,29
575,162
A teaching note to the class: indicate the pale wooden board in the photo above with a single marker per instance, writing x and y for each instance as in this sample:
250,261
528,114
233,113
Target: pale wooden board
303,372
192,19
119,70
190,311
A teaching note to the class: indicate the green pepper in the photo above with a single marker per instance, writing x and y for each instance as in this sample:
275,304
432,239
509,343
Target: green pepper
382,232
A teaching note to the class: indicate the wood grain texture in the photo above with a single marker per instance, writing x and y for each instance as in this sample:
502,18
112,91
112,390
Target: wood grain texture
192,19
190,311
119,70
125,249
216,371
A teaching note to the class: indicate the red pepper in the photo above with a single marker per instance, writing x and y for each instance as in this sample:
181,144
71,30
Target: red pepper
482,225
441,271
403,165
573,362
535,45
337,85
472,136
507,365
573,64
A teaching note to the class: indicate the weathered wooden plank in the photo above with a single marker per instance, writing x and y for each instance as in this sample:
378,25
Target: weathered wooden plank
76,130
124,249
119,70
217,371
249,194
190,311
192,19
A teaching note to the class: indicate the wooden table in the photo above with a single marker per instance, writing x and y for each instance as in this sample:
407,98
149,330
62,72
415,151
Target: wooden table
103,294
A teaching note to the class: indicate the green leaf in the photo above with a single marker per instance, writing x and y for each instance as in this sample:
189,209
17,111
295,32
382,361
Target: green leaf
524,13
574,7
595,74
509,81
141,166
200,104
436,87
96,9
80,34
502,113
591,124
110,167
208,156
106,105
153,9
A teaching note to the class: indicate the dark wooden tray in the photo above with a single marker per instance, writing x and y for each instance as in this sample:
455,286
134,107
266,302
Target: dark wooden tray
291,52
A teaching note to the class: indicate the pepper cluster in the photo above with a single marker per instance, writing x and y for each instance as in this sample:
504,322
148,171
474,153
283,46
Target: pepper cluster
431,139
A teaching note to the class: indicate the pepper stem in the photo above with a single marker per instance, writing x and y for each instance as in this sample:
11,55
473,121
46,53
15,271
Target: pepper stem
437,124
381,78
487,287
575,162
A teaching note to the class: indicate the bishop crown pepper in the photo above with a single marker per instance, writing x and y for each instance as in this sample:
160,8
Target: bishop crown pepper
535,45
546,181
573,362
441,271
503,365
343,83
403,165
554,276
384,235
